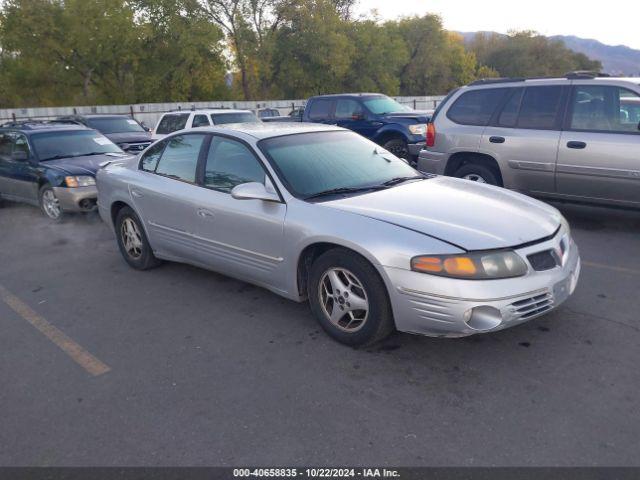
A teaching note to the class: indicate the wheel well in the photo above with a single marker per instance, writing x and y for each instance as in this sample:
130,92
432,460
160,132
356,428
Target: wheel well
115,208
392,135
309,255
459,159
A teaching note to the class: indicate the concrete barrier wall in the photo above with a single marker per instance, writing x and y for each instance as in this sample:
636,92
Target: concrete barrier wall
149,113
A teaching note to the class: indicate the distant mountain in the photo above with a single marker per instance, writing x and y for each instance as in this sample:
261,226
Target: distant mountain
616,60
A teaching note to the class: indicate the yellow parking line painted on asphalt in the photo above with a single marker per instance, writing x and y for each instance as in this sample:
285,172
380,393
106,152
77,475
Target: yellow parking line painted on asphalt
612,267
83,358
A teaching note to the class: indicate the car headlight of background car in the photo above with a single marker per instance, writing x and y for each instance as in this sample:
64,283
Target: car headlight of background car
418,129
490,265
79,181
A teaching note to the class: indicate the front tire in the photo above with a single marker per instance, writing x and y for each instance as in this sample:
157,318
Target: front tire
132,241
49,204
349,299
399,148
478,173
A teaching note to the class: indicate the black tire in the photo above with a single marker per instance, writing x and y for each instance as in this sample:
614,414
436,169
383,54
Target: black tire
478,173
145,259
399,148
378,322
46,208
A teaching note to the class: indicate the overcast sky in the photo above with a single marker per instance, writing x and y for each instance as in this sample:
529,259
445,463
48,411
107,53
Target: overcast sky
613,22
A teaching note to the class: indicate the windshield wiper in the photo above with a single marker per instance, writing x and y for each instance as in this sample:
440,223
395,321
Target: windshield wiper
398,180
338,191
58,157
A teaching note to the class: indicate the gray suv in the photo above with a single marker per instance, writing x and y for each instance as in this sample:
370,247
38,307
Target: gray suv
574,138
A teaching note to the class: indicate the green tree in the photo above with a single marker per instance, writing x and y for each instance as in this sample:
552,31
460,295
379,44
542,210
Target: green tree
527,54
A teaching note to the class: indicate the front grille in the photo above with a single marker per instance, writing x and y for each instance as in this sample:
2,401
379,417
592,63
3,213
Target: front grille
542,261
530,307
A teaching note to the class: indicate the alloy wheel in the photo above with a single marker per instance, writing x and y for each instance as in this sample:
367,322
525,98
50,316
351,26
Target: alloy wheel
343,299
51,204
474,177
131,238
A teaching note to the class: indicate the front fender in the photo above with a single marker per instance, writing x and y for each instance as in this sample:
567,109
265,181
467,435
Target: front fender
391,129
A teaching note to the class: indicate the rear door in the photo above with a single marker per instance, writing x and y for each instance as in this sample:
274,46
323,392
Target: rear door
6,165
523,137
321,110
599,156
200,120
167,194
18,175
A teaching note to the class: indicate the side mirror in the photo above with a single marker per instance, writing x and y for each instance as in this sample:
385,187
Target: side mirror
20,156
254,191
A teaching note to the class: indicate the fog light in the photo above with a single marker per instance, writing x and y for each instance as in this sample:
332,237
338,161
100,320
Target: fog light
483,318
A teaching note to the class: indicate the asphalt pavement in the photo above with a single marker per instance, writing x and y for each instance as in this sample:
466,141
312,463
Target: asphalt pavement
104,365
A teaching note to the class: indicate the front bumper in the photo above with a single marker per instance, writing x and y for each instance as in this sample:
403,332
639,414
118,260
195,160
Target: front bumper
80,199
441,307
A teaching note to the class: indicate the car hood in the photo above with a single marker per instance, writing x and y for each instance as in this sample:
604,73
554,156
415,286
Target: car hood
129,137
87,165
465,214
416,116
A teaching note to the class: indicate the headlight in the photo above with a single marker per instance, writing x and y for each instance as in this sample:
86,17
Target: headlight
490,265
79,181
418,129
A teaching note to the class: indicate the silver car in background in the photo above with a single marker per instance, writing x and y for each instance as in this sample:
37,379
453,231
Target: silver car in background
320,213
575,138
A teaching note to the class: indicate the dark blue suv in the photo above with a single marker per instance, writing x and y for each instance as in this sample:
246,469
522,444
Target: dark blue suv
377,117
52,165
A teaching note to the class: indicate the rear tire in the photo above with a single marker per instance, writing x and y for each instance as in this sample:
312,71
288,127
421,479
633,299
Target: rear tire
132,241
349,299
478,173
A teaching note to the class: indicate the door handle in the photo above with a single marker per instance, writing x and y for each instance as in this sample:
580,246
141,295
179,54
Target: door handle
136,193
577,145
204,213
497,139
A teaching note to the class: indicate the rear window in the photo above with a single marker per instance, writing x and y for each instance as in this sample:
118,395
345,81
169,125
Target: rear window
320,109
476,107
242,117
540,107
172,123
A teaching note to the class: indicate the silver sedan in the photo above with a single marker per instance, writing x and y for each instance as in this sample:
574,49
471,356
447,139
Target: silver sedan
320,213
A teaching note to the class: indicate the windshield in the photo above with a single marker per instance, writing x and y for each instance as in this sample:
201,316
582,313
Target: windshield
71,144
114,125
243,117
382,104
310,163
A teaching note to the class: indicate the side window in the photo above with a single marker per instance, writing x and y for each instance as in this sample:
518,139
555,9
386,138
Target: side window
180,157
231,163
605,108
540,107
6,145
320,109
149,160
509,115
200,121
347,108
476,107
21,144
172,123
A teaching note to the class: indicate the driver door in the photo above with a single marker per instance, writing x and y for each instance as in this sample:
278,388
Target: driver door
242,237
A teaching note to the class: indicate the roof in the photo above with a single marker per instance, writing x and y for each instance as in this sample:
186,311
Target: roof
572,76
32,127
362,94
210,111
268,130
95,115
